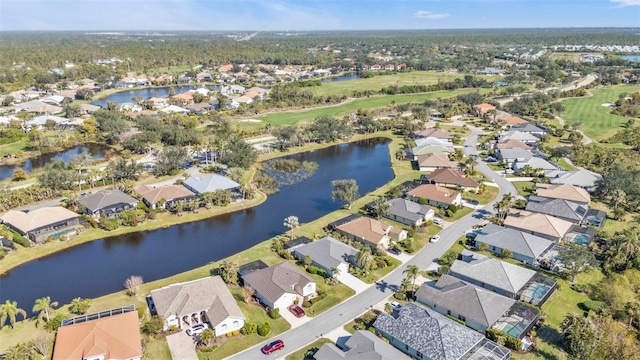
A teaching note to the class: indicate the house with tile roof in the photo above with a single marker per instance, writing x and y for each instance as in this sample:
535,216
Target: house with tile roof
279,285
478,308
518,135
483,109
206,300
328,253
163,197
435,195
40,224
361,345
108,202
453,178
560,208
371,232
543,225
507,119
525,247
585,179
431,162
433,132
501,277
511,144
423,333
109,335
210,183
565,192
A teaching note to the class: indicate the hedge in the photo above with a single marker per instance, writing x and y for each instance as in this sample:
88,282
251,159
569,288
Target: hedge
264,329
17,238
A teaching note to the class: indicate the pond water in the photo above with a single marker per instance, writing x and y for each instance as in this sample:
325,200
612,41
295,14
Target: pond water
345,77
145,93
632,58
101,266
96,151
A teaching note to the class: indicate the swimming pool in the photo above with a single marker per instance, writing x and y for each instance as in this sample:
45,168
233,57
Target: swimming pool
581,239
539,291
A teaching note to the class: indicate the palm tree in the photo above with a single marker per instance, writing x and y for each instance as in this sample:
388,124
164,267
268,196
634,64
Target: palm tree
618,197
291,222
44,306
10,310
471,162
382,207
412,271
335,271
364,257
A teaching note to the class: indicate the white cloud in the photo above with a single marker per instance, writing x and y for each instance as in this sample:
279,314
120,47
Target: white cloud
421,14
623,3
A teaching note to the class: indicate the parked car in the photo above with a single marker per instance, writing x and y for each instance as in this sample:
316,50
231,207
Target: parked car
437,221
196,329
434,239
273,346
296,310
395,250
395,306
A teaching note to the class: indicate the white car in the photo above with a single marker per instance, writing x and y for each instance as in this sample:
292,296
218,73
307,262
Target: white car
437,221
395,306
434,239
197,329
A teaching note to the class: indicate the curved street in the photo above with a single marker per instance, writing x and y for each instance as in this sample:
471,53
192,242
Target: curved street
348,310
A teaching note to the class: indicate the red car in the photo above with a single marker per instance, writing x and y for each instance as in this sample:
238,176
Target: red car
296,310
273,346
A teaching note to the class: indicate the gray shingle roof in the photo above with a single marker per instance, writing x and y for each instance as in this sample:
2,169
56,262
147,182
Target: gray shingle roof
425,330
276,280
209,293
529,128
536,163
210,183
515,153
408,209
362,345
482,306
105,199
581,178
496,273
517,241
557,207
328,252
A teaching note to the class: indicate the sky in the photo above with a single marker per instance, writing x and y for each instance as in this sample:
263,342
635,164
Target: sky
307,15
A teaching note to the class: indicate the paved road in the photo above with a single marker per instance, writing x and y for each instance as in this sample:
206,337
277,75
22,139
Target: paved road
360,303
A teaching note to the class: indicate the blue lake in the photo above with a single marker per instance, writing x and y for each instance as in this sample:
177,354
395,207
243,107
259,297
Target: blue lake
145,93
632,58
101,266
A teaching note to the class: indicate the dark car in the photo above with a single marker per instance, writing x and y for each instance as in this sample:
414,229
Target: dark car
296,310
273,346
395,251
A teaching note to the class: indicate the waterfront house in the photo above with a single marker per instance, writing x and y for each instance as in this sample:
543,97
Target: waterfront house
163,197
279,285
328,253
210,183
108,202
453,178
408,212
40,224
431,162
435,195
370,231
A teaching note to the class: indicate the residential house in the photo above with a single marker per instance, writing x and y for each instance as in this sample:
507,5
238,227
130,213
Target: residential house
478,308
206,300
328,253
232,90
531,129
435,195
201,108
414,152
433,132
107,202
375,67
536,163
279,285
408,212
175,109
423,333
43,223
210,183
371,232
564,209
361,345
511,144
501,277
508,120
585,179
244,100
231,104
109,335
257,92
158,102
184,98
431,162
203,77
491,71
543,225
524,247
163,197
514,155
565,192
432,141
389,67
483,109
225,68
518,135
86,109
453,178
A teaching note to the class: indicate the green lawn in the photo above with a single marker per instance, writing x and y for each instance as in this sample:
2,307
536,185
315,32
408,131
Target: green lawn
595,119
293,117
378,82
314,346
488,195
525,188
157,349
335,295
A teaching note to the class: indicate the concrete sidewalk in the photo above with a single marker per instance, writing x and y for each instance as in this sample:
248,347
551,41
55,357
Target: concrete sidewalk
353,282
